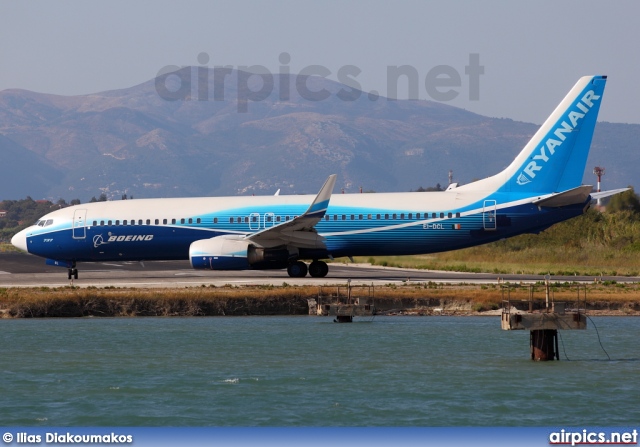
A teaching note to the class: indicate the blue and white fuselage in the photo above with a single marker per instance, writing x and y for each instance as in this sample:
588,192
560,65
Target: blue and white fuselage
542,186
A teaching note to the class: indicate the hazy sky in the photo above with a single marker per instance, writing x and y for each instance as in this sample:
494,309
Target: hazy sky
532,52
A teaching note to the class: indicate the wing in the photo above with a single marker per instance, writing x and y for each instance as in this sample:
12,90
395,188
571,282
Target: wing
299,231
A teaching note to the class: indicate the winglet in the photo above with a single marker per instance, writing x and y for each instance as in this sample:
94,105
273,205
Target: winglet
299,230
321,202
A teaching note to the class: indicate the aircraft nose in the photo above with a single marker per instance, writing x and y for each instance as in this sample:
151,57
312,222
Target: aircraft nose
19,240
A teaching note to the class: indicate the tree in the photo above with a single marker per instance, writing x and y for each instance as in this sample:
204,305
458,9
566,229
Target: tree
438,187
626,201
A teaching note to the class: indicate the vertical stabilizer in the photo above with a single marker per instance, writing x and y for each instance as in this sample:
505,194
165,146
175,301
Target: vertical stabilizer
555,158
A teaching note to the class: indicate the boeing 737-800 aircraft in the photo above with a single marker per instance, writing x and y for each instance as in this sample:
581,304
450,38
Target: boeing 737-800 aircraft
541,187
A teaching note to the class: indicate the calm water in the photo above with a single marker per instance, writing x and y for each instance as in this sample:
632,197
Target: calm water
308,371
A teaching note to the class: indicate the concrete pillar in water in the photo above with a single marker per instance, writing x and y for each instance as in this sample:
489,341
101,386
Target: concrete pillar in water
544,345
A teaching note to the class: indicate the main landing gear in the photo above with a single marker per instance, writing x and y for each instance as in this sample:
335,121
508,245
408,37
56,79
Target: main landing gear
317,269
72,272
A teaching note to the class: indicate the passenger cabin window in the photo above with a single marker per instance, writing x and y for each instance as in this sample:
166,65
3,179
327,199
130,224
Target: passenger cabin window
190,220
157,221
215,220
198,220
457,214
102,223
450,215
117,222
95,223
182,220
441,215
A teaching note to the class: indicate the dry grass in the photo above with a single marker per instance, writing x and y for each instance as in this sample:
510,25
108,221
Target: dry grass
286,300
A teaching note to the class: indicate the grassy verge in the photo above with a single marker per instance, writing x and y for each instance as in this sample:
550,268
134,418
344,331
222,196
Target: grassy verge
536,261
4,247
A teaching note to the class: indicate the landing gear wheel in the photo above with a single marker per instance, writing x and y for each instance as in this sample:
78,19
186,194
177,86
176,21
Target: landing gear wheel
72,273
318,269
297,269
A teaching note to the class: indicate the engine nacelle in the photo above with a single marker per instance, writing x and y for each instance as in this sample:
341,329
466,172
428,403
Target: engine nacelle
231,253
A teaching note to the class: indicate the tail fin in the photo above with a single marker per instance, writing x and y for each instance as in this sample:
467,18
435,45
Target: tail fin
555,158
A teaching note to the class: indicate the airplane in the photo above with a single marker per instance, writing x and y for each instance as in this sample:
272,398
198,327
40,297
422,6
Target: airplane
542,186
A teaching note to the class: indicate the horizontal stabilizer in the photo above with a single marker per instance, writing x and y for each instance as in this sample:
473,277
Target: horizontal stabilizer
569,197
603,194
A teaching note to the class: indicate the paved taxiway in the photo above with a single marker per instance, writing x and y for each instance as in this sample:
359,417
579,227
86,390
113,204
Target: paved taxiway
23,270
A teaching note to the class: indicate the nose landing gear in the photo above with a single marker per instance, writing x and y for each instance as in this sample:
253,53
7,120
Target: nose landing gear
72,272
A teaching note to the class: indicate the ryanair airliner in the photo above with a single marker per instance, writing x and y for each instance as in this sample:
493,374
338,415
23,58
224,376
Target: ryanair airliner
541,187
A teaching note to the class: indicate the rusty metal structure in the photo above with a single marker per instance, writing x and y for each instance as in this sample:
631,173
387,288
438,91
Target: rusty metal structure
543,318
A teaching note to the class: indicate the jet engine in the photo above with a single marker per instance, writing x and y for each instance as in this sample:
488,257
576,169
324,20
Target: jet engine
231,253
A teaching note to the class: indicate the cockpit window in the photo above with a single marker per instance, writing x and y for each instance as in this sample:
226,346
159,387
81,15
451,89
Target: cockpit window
39,223
48,222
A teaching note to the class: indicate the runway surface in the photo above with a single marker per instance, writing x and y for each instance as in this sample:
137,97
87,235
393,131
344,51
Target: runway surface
24,270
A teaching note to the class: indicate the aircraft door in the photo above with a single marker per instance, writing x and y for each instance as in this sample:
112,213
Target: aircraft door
79,230
489,215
